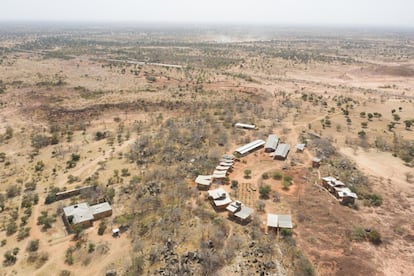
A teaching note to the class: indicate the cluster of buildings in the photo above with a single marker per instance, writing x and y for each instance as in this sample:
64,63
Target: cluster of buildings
339,190
220,172
272,146
219,198
221,201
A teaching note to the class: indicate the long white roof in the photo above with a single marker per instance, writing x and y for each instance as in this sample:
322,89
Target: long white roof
250,146
241,125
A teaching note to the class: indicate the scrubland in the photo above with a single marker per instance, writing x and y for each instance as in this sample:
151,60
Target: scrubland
138,113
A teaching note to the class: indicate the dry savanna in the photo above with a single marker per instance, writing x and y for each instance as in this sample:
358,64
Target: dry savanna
209,151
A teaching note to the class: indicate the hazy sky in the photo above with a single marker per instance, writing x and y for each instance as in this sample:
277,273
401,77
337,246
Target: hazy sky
333,12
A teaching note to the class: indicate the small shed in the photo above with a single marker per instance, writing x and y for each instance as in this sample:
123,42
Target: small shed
116,232
245,126
282,151
316,162
300,147
271,143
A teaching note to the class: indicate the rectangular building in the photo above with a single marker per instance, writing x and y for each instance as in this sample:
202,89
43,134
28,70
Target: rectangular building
250,147
282,151
271,143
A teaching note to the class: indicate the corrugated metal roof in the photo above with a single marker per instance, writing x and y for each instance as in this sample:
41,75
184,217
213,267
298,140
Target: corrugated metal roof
250,146
285,221
282,150
272,220
272,142
220,197
244,213
203,180
300,147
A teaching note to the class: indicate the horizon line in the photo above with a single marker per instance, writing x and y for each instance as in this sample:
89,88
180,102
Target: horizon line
211,23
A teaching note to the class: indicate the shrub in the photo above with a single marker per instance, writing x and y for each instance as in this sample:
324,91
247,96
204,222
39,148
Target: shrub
11,228
265,175
277,175
374,237
69,256
102,227
23,233
9,258
39,166
358,234
234,184
372,200
286,232
13,191
33,246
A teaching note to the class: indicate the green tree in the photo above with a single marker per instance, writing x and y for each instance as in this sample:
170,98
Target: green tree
247,173
264,191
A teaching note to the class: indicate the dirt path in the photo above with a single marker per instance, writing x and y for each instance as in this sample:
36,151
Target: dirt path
90,167
394,217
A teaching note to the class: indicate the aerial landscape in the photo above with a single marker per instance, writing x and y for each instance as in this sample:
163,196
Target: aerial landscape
132,148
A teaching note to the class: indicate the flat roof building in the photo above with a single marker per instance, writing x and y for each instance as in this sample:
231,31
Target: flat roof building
84,214
272,220
220,198
203,181
244,214
271,143
285,221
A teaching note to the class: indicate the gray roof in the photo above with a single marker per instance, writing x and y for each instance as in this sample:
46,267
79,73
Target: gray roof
272,142
100,208
244,213
272,220
220,197
285,221
234,206
300,147
282,150
250,146
316,159
80,212
228,156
